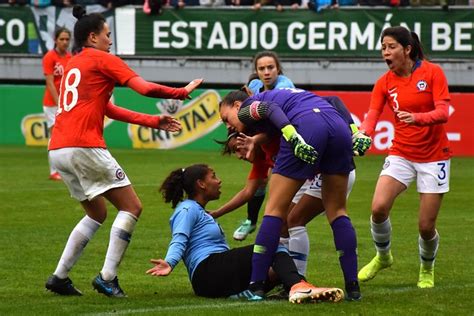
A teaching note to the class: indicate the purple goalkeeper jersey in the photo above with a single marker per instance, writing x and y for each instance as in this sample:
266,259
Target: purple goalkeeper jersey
316,120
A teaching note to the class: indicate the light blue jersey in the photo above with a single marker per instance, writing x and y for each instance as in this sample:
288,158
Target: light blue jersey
195,236
256,85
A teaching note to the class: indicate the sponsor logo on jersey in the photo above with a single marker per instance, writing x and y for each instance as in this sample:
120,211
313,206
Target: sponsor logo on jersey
198,117
421,85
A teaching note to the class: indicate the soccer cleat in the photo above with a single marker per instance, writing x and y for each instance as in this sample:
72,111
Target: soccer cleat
303,292
249,295
61,286
370,270
353,291
426,278
55,177
109,288
242,232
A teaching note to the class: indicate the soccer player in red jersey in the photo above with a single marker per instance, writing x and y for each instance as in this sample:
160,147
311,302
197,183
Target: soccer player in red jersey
417,92
77,148
54,63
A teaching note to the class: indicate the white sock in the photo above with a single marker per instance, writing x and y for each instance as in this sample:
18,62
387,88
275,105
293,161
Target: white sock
299,247
78,239
285,242
428,250
120,235
381,234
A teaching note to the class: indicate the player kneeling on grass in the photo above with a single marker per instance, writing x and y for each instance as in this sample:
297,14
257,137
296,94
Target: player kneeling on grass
213,268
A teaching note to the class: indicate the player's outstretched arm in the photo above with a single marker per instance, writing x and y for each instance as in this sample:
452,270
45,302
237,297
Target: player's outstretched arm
169,123
155,90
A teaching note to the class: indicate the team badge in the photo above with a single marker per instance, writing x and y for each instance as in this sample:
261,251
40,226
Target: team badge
119,174
421,85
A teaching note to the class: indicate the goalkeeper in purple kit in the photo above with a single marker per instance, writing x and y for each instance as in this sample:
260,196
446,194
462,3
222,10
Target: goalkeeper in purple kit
314,138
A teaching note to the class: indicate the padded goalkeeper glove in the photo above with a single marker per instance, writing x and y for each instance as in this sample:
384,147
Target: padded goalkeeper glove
303,151
360,142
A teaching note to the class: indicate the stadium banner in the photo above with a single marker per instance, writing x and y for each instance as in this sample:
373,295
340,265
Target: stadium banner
295,33
346,32
22,120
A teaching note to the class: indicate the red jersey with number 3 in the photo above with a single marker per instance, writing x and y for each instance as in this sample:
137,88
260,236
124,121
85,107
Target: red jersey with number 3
415,94
86,87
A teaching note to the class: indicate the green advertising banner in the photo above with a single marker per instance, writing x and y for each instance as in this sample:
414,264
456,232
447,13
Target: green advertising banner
17,28
22,121
346,32
300,33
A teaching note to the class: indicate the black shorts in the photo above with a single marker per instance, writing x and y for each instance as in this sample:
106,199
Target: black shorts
223,274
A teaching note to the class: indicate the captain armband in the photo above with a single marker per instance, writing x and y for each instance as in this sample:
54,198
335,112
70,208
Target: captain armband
256,111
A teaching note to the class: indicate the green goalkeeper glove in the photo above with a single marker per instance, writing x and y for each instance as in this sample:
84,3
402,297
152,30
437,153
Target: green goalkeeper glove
301,150
360,142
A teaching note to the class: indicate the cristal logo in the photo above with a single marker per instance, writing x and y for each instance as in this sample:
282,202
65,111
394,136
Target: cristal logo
198,118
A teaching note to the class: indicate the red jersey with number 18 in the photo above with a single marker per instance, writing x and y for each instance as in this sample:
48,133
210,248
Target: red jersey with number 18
418,93
86,87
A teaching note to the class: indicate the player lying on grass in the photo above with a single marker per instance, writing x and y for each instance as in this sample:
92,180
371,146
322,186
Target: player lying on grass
213,268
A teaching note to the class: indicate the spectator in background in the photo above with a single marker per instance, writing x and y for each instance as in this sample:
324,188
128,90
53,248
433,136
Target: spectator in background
54,63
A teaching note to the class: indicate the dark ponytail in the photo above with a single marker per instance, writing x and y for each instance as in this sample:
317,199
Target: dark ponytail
182,181
86,24
403,36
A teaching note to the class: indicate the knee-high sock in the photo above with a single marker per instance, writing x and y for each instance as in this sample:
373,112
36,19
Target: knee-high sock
120,235
428,250
254,205
77,241
266,244
299,247
286,270
346,245
381,234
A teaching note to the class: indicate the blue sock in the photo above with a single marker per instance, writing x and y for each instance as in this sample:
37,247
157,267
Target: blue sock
265,247
346,245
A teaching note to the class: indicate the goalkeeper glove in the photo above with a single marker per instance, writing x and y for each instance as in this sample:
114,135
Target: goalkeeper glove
360,142
301,150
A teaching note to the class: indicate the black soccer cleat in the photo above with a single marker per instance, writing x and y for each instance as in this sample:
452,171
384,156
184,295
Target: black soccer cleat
109,288
61,286
353,291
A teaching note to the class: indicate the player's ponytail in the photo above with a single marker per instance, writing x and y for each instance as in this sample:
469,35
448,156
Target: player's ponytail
180,181
416,48
86,24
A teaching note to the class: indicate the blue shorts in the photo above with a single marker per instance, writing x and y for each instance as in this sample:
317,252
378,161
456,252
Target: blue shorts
330,135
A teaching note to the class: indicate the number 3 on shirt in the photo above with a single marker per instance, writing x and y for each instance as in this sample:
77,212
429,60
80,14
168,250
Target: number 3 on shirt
395,101
70,88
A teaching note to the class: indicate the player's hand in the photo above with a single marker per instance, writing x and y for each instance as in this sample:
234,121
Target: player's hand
406,117
247,145
360,143
161,268
214,214
169,123
193,85
303,151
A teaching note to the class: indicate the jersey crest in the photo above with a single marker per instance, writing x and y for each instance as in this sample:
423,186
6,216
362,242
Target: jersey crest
421,85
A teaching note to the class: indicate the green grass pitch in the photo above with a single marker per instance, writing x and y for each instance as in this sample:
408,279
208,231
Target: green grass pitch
37,216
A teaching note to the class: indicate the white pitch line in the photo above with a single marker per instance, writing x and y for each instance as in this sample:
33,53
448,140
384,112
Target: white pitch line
250,304
180,307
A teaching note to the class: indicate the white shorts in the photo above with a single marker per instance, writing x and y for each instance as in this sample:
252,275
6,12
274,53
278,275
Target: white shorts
313,187
50,115
88,172
431,177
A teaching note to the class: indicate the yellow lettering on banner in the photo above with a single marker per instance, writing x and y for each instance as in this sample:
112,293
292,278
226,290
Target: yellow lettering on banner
35,130
198,118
